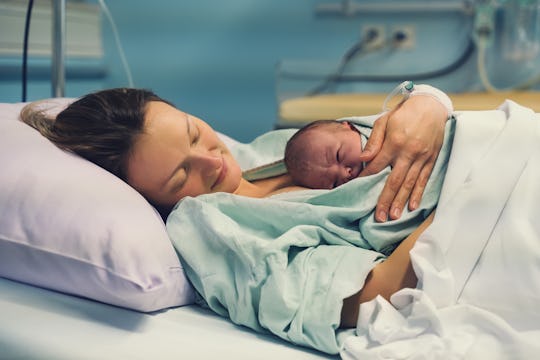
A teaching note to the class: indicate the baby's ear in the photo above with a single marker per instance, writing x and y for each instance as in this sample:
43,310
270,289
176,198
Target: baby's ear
348,125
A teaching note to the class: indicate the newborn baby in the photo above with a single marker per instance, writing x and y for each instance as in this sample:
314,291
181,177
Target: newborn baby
324,154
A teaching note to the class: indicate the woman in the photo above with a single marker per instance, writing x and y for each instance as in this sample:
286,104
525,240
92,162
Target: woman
169,155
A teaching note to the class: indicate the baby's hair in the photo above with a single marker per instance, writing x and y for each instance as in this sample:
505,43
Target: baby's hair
295,150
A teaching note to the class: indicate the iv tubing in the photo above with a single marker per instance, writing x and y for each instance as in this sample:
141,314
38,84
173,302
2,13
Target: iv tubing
25,50
125,64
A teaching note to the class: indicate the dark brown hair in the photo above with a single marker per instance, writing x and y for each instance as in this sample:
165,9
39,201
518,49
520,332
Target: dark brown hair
295,151
101,127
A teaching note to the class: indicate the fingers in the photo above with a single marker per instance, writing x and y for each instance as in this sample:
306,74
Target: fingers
381,161
391,188
375,141
420,186
405,190
399,188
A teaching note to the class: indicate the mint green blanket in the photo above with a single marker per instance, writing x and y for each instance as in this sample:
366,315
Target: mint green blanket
285,263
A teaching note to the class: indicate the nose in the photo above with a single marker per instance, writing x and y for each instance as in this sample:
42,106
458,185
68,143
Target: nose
206,161
345,173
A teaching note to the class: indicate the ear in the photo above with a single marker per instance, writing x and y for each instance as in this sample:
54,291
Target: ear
348,125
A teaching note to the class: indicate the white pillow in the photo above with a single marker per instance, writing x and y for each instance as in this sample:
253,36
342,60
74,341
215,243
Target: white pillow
68,225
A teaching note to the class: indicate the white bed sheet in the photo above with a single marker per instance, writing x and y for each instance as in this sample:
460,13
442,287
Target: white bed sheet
478,294
41,324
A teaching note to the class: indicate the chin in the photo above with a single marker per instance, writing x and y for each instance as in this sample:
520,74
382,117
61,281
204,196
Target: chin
233,178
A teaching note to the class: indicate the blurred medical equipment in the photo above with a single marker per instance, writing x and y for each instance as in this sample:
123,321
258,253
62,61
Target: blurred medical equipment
59,48
509,29
352,7
25,49
58,71
119,46
497,42
520,36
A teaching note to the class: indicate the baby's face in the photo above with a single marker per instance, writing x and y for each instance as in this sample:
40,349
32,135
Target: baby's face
333,157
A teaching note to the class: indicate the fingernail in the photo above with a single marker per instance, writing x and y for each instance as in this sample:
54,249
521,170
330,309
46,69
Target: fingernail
413,205
381,216
396,213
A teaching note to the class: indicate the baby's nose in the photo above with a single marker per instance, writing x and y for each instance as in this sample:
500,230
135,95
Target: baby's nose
343,175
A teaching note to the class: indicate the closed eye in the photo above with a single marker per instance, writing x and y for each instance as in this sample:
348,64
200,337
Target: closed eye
338,157
196,137
180,179
193,131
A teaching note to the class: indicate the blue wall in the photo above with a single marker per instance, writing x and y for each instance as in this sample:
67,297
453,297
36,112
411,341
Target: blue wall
217,59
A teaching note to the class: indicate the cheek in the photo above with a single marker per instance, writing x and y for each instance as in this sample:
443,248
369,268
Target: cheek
354,150
193,187
320,178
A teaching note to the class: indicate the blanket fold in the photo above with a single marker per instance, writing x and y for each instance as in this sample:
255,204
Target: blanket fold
477,264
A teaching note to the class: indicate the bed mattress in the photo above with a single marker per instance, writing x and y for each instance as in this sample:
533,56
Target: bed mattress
42,324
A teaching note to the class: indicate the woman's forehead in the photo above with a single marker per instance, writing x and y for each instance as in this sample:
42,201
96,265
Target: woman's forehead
157,150
159,114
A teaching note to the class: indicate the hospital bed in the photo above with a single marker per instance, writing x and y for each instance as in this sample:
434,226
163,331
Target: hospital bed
64,259
477,264
43,324
296,111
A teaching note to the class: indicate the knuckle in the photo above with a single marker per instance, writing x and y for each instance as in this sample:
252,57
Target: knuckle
408,184
420,185
384,204
422,180
417,146
398,204
398,139
394,184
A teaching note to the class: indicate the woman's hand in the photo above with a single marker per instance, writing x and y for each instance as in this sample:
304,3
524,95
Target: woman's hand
409,139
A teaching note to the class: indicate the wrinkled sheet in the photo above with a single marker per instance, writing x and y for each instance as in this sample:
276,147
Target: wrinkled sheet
285,263
478,264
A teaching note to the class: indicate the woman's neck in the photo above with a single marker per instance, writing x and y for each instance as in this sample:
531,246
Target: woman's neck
266,187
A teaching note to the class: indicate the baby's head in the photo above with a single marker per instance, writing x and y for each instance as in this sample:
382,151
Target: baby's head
324,154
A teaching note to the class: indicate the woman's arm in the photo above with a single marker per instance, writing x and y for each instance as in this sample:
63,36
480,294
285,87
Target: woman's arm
407,138
394,274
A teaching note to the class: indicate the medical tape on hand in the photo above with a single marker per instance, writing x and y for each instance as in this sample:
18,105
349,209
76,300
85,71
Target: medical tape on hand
404,89
408,88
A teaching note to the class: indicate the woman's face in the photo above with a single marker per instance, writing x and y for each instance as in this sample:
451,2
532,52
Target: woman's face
179,155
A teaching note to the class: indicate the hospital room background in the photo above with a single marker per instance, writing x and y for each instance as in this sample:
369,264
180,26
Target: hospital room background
234,63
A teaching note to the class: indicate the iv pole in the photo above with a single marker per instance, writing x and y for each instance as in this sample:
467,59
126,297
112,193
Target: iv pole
58,52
